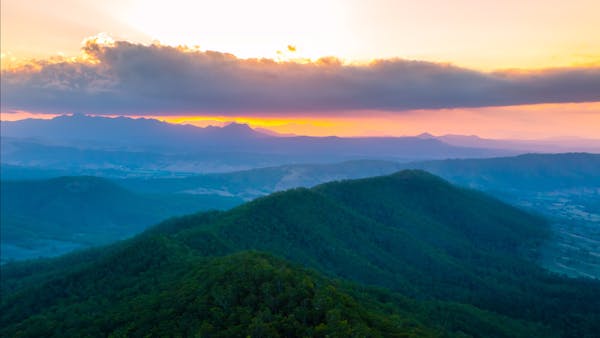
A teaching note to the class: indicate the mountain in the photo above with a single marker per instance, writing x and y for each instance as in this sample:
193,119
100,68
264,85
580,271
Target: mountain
411,233
53,216
151,145
87,130
552,145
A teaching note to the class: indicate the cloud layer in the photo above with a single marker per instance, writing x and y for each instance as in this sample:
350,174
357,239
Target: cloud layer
128,78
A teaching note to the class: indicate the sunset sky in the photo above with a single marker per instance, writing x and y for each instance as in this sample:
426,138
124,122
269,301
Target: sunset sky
501,69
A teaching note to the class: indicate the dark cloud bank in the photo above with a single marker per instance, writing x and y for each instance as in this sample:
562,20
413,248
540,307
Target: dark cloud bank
138,79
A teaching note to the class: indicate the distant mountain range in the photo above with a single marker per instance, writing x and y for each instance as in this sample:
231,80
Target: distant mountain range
86,145
548,145
125,133
127,144
447,261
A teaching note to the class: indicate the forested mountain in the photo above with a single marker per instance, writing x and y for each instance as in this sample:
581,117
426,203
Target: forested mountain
463,259
46,217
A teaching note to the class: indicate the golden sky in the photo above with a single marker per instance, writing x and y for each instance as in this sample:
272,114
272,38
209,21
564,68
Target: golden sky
471,33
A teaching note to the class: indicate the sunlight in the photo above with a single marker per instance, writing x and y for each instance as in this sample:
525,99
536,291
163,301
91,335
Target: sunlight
247,29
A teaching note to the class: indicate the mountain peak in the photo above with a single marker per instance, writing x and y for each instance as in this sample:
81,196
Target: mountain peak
425,136
240,129
237,126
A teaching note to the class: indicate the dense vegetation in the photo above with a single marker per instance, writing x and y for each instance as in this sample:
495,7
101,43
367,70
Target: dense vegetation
154,286
451,261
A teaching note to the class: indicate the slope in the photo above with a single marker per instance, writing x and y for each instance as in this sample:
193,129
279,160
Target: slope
153,286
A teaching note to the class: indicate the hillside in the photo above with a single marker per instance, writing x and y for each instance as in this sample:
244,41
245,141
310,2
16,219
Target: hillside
411,232
46,217
154,287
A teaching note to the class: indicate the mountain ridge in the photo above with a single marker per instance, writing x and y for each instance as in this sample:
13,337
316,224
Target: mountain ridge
153,135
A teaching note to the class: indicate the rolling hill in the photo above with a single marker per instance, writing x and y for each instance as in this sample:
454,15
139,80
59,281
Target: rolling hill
529,172
411,233
253,183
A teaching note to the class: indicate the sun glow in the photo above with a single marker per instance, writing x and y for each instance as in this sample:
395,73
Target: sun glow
473,34
264,28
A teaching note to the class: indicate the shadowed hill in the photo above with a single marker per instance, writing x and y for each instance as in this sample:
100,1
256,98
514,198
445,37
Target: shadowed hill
86,211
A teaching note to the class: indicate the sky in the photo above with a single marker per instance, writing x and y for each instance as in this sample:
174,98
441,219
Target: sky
502,69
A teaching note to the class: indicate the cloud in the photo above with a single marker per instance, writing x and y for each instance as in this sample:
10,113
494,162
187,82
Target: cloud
127,78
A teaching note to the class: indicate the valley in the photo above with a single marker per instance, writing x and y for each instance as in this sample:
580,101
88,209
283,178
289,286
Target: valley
574,249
